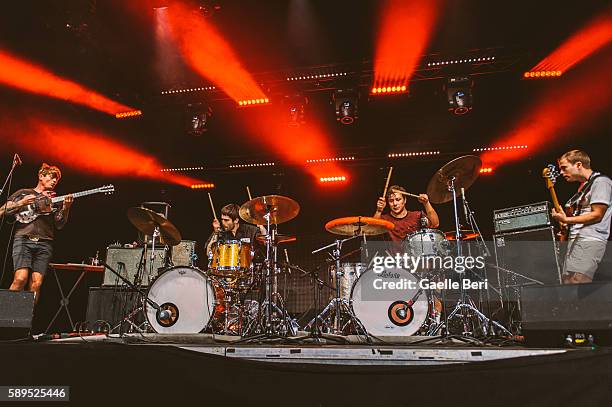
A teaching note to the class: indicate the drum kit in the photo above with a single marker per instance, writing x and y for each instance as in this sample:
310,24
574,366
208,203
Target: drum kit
190,300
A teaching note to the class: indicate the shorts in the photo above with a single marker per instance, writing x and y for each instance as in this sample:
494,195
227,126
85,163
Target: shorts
34,255
583,256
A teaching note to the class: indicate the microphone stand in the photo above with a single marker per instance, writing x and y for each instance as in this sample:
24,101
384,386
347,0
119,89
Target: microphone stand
16,162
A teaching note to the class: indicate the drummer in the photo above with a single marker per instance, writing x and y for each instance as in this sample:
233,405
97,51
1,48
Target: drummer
232,228
405,221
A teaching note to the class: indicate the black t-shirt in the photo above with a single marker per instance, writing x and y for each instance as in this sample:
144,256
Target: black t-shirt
42,227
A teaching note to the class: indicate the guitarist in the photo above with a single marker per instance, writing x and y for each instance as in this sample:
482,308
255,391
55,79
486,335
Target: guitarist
589,220
32,245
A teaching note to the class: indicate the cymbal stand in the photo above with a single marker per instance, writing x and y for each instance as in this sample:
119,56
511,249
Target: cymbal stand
465,304
337,305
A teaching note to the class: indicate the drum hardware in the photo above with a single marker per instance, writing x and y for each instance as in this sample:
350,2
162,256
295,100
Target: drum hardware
460,174
273,320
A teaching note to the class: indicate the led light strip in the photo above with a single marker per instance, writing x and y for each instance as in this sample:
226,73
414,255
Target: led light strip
486,170
202,186
413,154
326,160
182,169
168,92
131,113
251,102
317,76
542,74
498,148
251,165
461,61
389,89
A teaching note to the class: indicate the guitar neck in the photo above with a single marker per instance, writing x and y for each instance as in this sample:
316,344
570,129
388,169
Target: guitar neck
58,199
555,200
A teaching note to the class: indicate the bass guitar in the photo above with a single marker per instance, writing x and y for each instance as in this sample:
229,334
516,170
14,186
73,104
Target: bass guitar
43,204
550,174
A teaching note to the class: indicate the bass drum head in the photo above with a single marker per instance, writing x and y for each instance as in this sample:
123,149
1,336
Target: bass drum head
396,308
187,297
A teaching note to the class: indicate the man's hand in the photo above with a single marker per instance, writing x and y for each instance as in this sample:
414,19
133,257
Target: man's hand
68,200
26,200
216,225
380,205
559,216
423,198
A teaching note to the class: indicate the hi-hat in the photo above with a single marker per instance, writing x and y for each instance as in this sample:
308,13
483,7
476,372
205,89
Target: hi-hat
146,221
281,209
463,171
358,225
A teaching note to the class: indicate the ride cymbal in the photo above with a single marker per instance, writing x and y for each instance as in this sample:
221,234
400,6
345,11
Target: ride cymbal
281,209
145,220
358,225
463,171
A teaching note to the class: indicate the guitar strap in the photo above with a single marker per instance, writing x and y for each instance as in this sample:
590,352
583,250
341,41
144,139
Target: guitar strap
581,193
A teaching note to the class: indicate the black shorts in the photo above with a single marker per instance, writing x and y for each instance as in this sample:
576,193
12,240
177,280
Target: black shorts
30,254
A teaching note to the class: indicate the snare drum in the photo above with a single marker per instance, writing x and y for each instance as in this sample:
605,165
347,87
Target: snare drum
230,258
426,243
390,303
186,298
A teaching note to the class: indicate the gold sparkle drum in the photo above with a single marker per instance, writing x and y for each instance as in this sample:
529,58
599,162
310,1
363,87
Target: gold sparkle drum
230,258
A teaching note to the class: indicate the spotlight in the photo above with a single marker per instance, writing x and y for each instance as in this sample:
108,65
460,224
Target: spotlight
347,106
199,115
459,94
295,110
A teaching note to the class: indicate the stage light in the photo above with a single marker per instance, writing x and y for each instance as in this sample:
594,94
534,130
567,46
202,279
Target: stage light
327,160
475,150
466,60
203,186
188,90
295,110
413,154
128,114
182,169
253,102
459,94
252,165
389,89
347,107
486,170
199,116
542,74
333,179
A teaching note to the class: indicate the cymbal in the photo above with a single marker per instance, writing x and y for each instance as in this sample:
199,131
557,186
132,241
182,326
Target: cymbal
279,239
146,221
358,225
464,169
466,234
282,209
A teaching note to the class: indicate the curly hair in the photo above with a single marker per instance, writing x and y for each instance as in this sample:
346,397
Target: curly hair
46,169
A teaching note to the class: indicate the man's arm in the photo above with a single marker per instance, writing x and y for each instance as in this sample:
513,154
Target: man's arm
61,216
430,212
596,215
380,206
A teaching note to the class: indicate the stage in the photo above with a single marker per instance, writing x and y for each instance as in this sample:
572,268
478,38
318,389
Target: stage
160,369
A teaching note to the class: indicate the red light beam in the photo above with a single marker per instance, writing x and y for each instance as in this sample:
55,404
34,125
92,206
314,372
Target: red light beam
405,29
26,76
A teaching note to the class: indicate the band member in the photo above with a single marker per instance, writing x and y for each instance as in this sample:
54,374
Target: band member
405,221
589,224
33,242
231,227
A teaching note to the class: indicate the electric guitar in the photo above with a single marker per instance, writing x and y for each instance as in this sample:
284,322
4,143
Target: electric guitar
43,204
550,174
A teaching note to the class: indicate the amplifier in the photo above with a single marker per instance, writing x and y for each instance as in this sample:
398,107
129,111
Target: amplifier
530,216
126,261
112,304
16,310
552,312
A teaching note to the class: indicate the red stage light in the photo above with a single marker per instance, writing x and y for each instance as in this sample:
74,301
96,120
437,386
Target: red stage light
28,77
486,170
132,113
205,49
406,27
591,38
203,186
389,89
336,179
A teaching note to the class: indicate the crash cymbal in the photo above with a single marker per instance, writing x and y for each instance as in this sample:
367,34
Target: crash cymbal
358,225
466,234
464,169
282,209
279,239
146,221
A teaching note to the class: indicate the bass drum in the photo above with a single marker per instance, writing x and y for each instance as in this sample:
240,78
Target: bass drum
186,298
390,303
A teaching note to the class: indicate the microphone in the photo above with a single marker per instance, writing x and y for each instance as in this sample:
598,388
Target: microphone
17,159
164,314
401,312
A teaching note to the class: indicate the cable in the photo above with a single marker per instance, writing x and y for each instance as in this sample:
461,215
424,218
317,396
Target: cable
3,218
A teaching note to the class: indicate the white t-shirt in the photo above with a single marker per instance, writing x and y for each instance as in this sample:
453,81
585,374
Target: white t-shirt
599,193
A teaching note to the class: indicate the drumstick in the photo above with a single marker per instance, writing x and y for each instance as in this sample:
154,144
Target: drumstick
249,193
212,206
387,183
406,193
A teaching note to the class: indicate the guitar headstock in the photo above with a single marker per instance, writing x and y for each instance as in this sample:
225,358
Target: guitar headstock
107,189
550,174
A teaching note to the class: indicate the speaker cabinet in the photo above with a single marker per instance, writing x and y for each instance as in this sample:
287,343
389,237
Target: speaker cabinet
112,304
16,311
